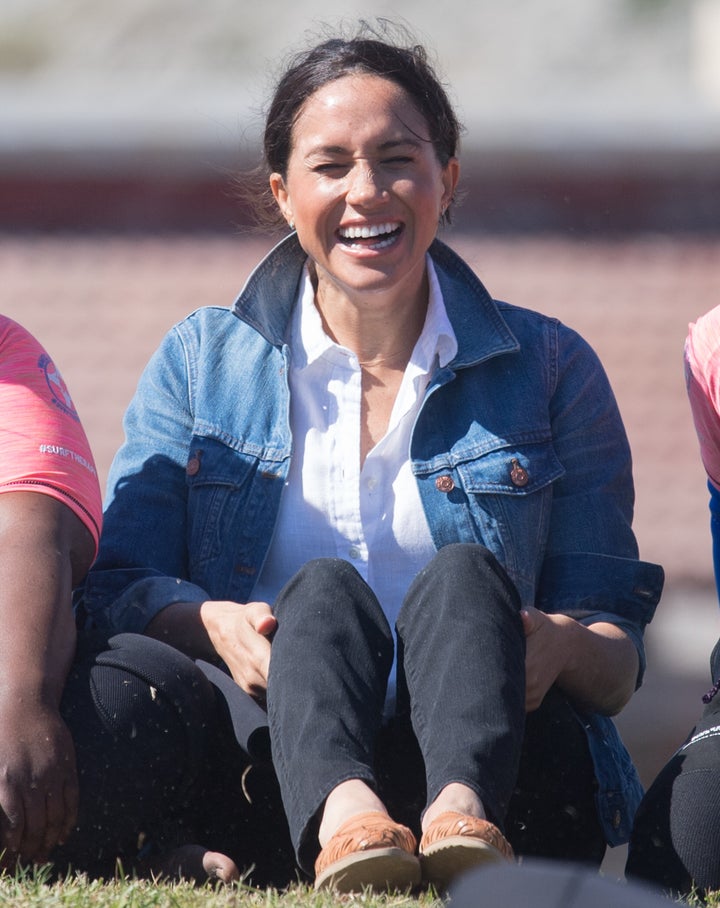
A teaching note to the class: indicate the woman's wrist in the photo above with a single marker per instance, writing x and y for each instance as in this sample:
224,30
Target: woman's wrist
182,625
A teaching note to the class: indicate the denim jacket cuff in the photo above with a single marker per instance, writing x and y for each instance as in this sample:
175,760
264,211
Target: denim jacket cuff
139,603
577,582
592,588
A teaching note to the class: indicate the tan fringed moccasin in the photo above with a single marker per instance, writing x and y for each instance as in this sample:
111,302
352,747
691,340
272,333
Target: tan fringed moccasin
369,851
454,843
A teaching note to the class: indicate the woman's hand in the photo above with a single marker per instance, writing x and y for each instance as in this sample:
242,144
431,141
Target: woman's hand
596,666
240,635
546,652
236,633
38,781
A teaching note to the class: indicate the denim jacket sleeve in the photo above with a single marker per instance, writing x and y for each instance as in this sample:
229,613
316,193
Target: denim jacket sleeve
591,568
141,565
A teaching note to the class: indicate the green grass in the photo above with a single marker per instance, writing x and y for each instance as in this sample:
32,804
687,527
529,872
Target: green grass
31,888
713,900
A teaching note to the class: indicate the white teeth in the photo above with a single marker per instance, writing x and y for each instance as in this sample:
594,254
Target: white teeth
357,233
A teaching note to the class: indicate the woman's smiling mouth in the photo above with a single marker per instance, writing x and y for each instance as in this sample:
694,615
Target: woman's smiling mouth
370,236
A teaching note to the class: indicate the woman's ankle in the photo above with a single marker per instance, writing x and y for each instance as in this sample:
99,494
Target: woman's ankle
347,800
457,797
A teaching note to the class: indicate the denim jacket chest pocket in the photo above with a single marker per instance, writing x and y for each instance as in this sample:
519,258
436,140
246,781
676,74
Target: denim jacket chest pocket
232,498
507,494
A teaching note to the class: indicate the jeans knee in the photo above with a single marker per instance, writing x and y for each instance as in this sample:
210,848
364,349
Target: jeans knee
327,606
461,556
326,588
463,579
329,571
475,562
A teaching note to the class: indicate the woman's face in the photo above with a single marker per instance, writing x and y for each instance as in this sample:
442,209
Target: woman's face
364,187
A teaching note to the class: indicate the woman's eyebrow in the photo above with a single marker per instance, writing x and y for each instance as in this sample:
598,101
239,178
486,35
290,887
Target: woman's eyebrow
388,145
397,143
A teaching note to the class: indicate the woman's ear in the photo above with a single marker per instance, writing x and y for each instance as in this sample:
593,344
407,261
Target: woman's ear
281,196
450,178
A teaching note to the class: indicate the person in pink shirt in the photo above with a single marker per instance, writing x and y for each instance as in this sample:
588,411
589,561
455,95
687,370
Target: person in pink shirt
43,445
702,375
675,841
94,736
50,514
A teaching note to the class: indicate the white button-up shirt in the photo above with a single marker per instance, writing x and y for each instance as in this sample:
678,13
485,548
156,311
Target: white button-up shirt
370,516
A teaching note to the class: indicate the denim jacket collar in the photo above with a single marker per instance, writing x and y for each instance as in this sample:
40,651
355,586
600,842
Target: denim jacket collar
266,301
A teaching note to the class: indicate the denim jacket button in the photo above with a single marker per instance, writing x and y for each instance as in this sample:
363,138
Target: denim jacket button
193,466
444,484
518,475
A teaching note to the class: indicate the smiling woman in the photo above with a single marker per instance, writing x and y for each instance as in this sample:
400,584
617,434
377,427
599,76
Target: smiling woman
396,511
365,190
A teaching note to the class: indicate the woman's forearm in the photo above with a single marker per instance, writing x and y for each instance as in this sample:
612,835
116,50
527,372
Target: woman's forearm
596,666
601,673
180,625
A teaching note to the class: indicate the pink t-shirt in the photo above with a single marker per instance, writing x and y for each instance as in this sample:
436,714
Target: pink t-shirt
702,374
43,447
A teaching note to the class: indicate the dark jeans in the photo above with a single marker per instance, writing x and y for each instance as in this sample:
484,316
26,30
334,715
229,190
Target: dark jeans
159,765
460,714
675,841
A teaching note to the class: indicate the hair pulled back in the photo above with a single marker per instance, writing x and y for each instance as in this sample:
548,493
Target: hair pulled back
366,52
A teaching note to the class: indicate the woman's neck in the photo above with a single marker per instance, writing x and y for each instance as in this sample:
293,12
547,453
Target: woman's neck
381,329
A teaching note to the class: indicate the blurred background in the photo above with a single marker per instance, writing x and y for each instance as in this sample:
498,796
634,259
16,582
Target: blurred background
591,163
595,115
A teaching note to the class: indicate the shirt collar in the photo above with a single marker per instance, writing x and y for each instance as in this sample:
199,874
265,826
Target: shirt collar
437,337
267,301
309,341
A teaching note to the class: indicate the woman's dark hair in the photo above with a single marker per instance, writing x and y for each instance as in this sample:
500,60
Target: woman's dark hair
369,52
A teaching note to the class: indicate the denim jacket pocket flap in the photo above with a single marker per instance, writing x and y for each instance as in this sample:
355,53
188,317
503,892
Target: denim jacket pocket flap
511,470
213,462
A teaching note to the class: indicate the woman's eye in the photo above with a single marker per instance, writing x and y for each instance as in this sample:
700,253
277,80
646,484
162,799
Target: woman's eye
330,168
398,160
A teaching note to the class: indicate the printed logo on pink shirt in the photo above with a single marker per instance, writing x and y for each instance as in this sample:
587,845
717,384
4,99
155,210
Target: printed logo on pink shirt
60,395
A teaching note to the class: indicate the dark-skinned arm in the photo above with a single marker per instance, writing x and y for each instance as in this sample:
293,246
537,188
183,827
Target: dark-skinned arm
44,550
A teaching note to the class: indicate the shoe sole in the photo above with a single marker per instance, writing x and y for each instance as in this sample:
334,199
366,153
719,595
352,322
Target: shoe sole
446,860
379,869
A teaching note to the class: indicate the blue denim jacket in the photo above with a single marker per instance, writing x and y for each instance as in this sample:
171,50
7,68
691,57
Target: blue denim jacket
518,446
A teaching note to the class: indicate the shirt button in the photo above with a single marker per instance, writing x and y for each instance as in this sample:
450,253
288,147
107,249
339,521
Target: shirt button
444,484
354,552
372,483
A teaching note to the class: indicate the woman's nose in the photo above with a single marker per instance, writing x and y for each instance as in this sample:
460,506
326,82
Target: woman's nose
365,185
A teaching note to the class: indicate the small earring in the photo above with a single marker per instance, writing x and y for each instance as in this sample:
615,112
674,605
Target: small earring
291,225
